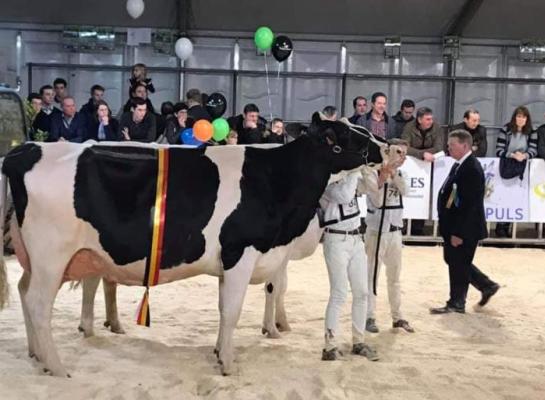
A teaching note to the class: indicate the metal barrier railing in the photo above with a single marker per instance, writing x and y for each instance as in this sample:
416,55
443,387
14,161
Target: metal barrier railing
538,241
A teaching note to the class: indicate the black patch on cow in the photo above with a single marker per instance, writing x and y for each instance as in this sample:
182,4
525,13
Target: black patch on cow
16,164
115,189
270,287
280,190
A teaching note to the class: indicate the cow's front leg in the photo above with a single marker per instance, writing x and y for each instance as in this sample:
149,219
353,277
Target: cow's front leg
271,295
269,326
89,288
112,316
281,287
235,281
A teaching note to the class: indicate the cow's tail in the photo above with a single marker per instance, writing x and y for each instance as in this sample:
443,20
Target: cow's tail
4,288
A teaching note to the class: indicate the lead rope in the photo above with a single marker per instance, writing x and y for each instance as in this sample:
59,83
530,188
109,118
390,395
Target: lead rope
378,239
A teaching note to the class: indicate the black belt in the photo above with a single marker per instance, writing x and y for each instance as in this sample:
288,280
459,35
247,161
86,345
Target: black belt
395,228
352,232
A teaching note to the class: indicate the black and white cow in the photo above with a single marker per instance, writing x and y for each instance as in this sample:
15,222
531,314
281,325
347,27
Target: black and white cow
232,212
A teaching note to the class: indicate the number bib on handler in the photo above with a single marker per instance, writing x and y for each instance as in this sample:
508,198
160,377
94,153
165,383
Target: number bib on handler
341,213
393,199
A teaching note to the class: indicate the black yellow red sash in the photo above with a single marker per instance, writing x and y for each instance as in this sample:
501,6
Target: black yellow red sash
153,262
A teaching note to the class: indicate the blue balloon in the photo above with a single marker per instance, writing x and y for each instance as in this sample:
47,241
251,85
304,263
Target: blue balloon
186,137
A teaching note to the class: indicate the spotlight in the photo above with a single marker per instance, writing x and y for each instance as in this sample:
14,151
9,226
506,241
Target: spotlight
532,50
392,47
451,47
88,39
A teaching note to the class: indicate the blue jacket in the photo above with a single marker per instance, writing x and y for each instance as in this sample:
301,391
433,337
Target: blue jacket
76,132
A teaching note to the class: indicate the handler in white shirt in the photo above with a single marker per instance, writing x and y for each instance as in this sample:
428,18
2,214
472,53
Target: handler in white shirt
385,190
344,254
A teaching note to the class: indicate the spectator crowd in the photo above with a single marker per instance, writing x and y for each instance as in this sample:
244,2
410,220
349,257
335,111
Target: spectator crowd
56,118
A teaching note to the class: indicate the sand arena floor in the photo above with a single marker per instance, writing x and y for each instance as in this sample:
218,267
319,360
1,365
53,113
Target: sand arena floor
498,353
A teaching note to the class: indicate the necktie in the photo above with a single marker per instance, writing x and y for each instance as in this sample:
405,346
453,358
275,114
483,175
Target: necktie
453,171
451,175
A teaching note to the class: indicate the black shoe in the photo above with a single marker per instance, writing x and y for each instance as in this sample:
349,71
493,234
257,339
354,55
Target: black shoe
487,293
362,349
371,326
447,309
401,323
331,355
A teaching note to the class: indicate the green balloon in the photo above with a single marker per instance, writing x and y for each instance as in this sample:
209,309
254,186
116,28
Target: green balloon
263,38
221,129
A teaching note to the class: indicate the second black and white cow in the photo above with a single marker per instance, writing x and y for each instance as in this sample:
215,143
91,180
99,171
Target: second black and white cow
231,211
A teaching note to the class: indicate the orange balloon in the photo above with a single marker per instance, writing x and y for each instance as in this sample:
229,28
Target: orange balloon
203,130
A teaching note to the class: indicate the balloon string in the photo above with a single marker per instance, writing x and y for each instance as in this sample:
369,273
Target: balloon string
278,83
268,85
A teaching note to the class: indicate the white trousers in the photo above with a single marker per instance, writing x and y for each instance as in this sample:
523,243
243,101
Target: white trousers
346,263
390,256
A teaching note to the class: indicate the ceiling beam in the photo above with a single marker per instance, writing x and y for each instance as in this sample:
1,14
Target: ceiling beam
458,24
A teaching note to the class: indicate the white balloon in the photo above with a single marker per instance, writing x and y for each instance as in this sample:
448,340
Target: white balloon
135,8
183,48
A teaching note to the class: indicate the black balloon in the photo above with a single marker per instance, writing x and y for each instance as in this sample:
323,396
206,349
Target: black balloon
216,105
282,48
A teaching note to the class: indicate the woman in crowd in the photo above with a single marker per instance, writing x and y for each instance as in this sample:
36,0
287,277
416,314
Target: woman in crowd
103,126
516,141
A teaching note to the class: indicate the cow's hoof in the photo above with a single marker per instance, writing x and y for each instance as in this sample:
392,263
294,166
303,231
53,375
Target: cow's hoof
114,327
86,332
225,371
271,333
61,373
283,326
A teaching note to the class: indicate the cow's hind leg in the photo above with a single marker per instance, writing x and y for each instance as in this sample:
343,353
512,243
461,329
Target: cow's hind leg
220,307
45,281
281,287
31,338
235,281
112,316
90,286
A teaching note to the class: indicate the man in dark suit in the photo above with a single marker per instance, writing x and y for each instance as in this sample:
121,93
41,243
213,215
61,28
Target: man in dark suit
42,121
462,224
70,125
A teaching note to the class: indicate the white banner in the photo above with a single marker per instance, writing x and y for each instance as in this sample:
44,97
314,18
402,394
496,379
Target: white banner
505,200
537,190
416,203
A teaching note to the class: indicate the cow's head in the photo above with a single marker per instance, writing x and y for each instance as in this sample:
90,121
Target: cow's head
350,146
395,154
